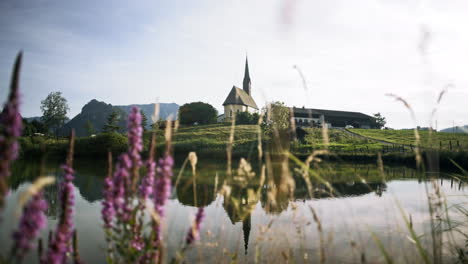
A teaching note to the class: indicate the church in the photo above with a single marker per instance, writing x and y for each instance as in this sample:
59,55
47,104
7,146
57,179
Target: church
239,100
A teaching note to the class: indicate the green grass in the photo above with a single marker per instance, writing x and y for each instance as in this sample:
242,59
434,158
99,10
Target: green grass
339,142
209,139
213,139
438,140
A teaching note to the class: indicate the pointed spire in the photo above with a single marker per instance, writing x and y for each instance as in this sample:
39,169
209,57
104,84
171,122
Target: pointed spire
246,223
247,82
246,73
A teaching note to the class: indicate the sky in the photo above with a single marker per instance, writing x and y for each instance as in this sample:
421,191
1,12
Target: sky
351,54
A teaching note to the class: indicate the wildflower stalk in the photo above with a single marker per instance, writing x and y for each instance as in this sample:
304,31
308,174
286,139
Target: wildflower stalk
108,207
194,232
76,255
10,129
60,244
32,221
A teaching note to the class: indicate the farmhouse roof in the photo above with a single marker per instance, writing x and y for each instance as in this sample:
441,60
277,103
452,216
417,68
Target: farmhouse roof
331,113
237,96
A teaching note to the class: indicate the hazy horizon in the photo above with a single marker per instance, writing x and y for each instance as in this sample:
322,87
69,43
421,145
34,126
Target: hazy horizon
350,54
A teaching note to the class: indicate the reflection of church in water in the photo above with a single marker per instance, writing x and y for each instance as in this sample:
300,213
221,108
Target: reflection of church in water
239,205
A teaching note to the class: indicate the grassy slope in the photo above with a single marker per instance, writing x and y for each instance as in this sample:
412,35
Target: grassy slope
211,139
339,141
428,139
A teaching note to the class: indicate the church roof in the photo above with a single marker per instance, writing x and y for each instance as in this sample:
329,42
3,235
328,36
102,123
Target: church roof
237,96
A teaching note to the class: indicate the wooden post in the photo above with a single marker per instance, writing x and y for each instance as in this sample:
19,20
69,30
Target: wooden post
450,145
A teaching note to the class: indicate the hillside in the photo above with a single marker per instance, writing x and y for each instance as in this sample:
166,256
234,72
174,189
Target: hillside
435,139
458,129
211,139
97,112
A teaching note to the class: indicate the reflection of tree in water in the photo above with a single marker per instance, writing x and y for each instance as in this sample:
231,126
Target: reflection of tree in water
198,194
51,194
89,185
23,171
341,190
89,178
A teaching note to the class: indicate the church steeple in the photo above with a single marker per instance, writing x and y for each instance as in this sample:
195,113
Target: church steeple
246,83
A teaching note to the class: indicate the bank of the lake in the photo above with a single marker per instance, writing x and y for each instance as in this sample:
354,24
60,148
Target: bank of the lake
212,141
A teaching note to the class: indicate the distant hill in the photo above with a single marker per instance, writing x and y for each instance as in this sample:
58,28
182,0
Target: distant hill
30,119
458,129
97,112
165,110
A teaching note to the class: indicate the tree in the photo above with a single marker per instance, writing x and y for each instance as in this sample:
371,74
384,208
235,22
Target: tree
54,111
39,126
160,124
144,120
28,129
277,116
246,118
89,128
379,120
112,124
197,112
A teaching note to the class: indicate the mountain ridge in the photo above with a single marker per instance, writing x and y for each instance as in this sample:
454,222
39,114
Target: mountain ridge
456,129
97,112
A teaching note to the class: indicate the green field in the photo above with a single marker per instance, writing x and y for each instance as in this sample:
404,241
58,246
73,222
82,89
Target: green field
338,141
438,140
213,140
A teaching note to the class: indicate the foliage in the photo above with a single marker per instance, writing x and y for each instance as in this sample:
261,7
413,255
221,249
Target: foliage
54,111
160,124
380,121
246,118
277,117
112,124
197,112
89,128
33,127
144,121
101,144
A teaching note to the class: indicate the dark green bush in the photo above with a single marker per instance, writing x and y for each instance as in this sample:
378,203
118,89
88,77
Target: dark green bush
101,144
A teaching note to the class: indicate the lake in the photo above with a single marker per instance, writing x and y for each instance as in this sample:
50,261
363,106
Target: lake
242,225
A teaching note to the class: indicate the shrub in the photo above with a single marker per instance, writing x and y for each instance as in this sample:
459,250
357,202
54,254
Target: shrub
101,144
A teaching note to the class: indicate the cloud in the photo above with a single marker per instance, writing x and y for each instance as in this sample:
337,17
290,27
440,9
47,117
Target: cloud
351,53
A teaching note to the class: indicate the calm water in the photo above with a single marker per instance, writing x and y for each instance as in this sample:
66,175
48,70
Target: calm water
244,227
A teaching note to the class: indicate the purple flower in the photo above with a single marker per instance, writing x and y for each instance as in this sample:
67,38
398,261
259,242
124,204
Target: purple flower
108,210
194,232
146,186
135,132
10,129
162,191
60,244
120,188
137,243
31,222
162,187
